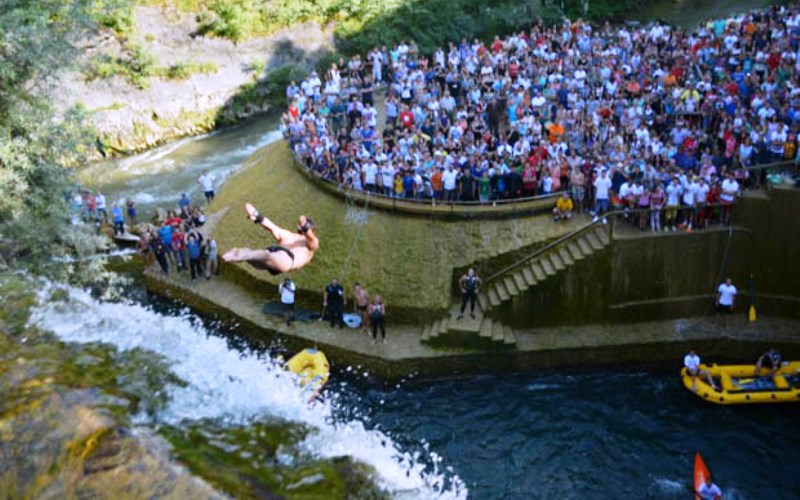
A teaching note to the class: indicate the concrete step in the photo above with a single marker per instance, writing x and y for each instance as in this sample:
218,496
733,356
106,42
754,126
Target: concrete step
500,288
586,247
498,332
575,250
494,299
508,281
509,339
465,324
558,264
434,333
426,332
547,266
593,240
538,271
530,279
483,301
486,329
602,235
519,280
566,257
443,326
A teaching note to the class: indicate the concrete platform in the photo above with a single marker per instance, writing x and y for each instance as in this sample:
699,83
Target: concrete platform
661,343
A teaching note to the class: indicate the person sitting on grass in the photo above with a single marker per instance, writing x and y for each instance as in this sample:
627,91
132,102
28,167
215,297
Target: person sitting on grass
294,250
564,207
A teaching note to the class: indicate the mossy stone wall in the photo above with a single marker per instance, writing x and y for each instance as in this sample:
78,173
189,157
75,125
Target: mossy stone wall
668,276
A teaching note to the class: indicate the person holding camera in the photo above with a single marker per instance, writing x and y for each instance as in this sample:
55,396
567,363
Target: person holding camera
287,290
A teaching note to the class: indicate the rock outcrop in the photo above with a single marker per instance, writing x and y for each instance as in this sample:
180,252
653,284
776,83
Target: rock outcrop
130,118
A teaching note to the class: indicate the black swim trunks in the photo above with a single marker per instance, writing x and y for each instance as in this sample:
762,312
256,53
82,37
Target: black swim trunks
272,249
278,248
362,308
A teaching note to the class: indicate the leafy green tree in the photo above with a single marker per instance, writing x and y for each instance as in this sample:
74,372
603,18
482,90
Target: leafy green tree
37,40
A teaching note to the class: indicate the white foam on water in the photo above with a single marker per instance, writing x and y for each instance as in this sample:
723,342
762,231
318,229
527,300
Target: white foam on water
119,252
236,387
542,387
143,198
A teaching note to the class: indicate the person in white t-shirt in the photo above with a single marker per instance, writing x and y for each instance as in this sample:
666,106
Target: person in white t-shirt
726,296
709,490
207,181
730,188
689,199
701,217
287,290
673,192
602,193
370,170
692,364
450,182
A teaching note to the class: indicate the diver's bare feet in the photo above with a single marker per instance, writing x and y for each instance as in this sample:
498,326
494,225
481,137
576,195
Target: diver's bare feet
251,211
231,255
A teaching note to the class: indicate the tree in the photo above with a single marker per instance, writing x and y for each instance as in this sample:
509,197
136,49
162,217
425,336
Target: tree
37,40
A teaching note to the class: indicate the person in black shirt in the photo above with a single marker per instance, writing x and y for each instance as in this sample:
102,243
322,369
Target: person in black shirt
468,185
334,301
470,283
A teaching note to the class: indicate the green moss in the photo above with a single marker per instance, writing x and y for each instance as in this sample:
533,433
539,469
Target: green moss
19,296
116,105
260,460
182,70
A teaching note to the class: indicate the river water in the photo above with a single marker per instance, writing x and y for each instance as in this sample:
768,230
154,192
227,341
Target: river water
595,434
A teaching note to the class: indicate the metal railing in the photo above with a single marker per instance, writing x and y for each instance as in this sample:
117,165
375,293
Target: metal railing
543,250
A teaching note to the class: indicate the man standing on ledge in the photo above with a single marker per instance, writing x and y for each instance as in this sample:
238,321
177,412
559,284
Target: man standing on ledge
207,181
334,301
361,298
726,295
294,250
287,290
469,283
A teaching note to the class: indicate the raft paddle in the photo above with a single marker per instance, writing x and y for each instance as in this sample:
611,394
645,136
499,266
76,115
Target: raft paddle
751,314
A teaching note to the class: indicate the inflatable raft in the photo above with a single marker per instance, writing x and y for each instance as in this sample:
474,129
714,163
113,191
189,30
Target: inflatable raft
312,367
739,384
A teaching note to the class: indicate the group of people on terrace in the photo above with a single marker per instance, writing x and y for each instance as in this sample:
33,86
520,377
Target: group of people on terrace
179,240
644,117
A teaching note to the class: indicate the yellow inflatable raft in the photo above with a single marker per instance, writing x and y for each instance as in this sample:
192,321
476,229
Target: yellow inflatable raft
312,367
739,384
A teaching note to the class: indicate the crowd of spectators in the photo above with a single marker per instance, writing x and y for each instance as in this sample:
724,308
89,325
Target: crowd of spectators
180,241
652,112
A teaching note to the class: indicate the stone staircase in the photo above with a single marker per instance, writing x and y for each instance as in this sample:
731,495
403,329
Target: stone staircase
484,331
549,262
480,331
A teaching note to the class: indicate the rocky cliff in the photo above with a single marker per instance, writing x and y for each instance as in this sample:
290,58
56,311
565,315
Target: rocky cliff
191,84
